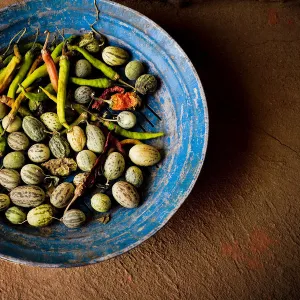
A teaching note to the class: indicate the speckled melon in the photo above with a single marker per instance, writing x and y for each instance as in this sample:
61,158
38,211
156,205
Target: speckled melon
18,141
74,218
41,215
114,56
27,196
62,195
34,128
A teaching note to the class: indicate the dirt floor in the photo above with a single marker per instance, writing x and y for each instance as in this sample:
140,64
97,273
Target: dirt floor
237,236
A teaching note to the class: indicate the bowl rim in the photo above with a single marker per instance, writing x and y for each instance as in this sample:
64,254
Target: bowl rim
186,192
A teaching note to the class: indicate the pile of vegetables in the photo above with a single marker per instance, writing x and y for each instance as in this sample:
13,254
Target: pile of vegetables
65,110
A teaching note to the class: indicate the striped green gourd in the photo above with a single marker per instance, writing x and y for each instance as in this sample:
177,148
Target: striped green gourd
114,56
34,128
9,178
27,196
18,141
32,174
95,138
59,146
4,201
40,216
74,218
15,215
62,195
51,121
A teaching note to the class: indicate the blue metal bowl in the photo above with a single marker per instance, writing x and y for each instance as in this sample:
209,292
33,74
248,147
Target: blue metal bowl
181,102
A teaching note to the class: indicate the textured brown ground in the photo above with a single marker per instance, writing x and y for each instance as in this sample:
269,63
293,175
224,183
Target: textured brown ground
237,235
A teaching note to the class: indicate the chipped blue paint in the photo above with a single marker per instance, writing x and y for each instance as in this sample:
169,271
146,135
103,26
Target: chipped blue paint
180,100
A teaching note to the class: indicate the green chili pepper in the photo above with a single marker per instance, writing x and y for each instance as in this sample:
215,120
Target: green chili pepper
28,60
131,134
3,142
23,111
48,94
6,76
42,70
63,78
106,70
37,97
57,51
23,49
38,73
119,130
7,59
101,83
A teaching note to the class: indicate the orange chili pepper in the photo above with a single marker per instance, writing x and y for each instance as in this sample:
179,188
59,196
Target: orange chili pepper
50,64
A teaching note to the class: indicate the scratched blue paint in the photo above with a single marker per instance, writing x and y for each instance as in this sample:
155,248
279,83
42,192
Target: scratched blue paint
180,100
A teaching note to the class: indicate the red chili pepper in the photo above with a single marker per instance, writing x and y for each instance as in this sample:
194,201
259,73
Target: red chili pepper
50,64
129,100
98,104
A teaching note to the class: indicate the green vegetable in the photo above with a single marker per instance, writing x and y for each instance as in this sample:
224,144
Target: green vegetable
98,64
15,125
64,69
134,70
83,68
146,83
126,119
100,83
74,218
134,175
85,160
125,194
114,56
15,215
40,216
101,202
14,160
144,155
83,94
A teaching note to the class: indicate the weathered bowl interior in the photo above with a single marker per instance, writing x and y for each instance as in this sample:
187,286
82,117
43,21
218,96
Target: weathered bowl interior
181,102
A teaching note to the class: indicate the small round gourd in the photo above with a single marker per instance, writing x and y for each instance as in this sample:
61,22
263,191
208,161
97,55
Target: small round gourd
125,194
85,160
114,56
134,70
15,215
93,47
39,153
59,146
14,126
134,175
114,166
74,218
76,138
34,128
101,202
18,141
83,94
40,216
9,178
126,119
62,195
83,68
32,174
4,202
14,160
144,155
146,84
51,121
